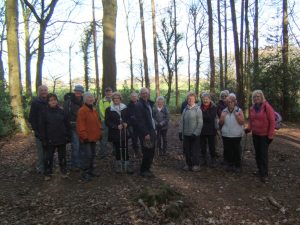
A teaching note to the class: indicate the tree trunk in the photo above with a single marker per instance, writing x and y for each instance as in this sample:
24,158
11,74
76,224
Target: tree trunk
285,59
28,56
225,48
239,78
175,57
255,46
242,38
157,89
14,65
2,80
220,47
95,51
109,44
147,81
70,68
247,55
211,47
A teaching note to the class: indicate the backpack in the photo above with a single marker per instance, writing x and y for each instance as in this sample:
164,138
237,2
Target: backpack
278,119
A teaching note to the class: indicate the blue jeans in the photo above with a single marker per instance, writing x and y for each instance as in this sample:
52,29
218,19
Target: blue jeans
75,149
40,155
88,156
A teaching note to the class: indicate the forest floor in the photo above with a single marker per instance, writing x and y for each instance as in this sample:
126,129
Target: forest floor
211,196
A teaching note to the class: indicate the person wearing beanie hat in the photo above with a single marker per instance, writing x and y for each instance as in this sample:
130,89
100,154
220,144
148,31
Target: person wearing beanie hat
88,128
73,102
79,88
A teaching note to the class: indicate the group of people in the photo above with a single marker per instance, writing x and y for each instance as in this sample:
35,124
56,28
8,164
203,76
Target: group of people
200,121
85,121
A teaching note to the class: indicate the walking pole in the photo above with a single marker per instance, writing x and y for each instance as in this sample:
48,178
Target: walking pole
243,149
125,150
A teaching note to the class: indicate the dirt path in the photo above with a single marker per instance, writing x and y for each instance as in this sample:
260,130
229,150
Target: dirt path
213,195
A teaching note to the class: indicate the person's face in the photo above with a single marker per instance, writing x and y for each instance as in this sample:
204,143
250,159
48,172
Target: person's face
108,94
160,103
116,100
191,100
52,102
145,95
257,98
89,100
133,98
206,100
78,94
43,92
223,97
230,103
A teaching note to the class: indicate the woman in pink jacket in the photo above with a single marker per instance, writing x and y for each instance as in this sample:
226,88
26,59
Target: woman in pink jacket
262,125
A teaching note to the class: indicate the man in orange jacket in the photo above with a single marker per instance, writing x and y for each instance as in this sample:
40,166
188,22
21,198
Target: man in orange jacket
88,127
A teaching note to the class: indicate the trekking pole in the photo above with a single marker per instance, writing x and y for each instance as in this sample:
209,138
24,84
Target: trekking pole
125,150
244,149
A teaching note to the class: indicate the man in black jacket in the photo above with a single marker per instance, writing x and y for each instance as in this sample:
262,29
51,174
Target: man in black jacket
146,129
71,107
38,106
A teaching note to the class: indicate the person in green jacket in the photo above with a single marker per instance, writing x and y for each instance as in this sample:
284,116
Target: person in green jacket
103,104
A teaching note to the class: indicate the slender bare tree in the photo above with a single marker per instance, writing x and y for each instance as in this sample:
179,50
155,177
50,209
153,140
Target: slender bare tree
95,50
285,57
220,46
147,81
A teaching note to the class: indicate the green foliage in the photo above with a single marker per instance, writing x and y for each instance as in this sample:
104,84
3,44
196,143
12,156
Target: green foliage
7,125
280,83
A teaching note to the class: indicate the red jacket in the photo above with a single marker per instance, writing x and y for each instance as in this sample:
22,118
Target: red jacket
88,125
262,123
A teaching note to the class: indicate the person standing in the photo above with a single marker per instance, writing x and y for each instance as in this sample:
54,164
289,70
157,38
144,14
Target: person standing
104,103
88,127
132,129
146,129
161,117
232,121
209,131
262,125
38,106
190,127
222,102
54,134
116,119
73,102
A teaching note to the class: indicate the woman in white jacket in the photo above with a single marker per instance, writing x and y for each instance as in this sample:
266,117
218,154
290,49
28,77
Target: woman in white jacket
232,121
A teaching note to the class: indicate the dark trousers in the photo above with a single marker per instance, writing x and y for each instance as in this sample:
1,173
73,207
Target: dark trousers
232,151
210,140
191,150
48,158
123,149
134,139
148,153
161,138
88,156
261,146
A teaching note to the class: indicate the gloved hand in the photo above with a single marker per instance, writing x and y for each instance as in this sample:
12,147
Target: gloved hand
180,136
193,137
247,130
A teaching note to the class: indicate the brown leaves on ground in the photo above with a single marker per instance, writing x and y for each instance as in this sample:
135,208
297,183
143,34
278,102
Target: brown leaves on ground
211,196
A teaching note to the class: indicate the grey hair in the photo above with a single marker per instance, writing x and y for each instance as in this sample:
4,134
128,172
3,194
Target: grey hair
42,87
143,89
205,94
255,92
85,95
133,94
116,94
160,98
191,93
224,92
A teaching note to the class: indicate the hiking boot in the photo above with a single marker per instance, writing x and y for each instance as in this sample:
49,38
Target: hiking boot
94,174
196,168
47,178
186,168
147,174
86,177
